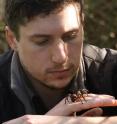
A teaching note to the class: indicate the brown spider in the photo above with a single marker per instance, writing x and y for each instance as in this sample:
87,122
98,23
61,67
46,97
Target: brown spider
77,95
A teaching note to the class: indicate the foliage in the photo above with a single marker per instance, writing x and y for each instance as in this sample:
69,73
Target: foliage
3,45
101,22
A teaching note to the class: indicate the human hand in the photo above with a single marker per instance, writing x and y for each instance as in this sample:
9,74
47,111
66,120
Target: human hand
94,112
26,119
92,101
37,119
42,119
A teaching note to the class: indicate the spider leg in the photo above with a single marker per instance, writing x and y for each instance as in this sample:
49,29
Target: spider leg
79,96
84,93
67,99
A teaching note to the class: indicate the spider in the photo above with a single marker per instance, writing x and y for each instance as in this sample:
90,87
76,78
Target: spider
77,95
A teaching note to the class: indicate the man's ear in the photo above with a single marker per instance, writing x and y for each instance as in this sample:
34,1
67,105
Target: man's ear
11,39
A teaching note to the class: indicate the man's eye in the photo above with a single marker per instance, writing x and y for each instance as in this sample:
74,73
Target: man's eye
42,42
70,37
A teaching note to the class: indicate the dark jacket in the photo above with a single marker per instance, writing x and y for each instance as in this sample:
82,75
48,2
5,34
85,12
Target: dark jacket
101,76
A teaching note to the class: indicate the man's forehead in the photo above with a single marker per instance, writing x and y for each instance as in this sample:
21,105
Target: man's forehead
67,20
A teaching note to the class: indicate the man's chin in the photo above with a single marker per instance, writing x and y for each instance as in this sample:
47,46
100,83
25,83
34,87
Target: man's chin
59,84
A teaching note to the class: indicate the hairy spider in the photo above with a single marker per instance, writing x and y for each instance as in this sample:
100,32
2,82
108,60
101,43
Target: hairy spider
77,96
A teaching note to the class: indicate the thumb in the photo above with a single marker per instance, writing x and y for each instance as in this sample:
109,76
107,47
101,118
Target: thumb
93,112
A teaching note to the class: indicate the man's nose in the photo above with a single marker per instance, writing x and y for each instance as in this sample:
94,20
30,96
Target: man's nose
59,54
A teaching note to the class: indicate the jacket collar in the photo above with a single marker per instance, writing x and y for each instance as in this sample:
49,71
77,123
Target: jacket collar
18,85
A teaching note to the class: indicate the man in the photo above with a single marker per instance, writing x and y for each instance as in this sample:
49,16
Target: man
46,63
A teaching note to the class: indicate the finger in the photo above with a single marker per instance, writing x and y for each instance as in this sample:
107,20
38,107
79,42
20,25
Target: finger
97,95
93,112
93,97
14,121
102,102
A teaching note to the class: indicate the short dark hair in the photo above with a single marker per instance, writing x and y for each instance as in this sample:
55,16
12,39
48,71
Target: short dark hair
18,12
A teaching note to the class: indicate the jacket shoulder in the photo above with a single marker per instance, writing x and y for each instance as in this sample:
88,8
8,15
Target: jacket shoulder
100,55
5,58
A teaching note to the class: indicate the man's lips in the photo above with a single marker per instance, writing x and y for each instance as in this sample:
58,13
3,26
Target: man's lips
60,73
59,70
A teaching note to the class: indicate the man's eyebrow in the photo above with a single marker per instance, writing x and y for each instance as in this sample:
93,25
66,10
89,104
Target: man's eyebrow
39,36
49,35
71,31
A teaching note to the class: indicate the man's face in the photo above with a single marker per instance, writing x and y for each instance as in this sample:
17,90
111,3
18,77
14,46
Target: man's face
50,47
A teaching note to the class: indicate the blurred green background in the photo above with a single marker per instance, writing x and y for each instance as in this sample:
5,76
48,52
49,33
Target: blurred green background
100,23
